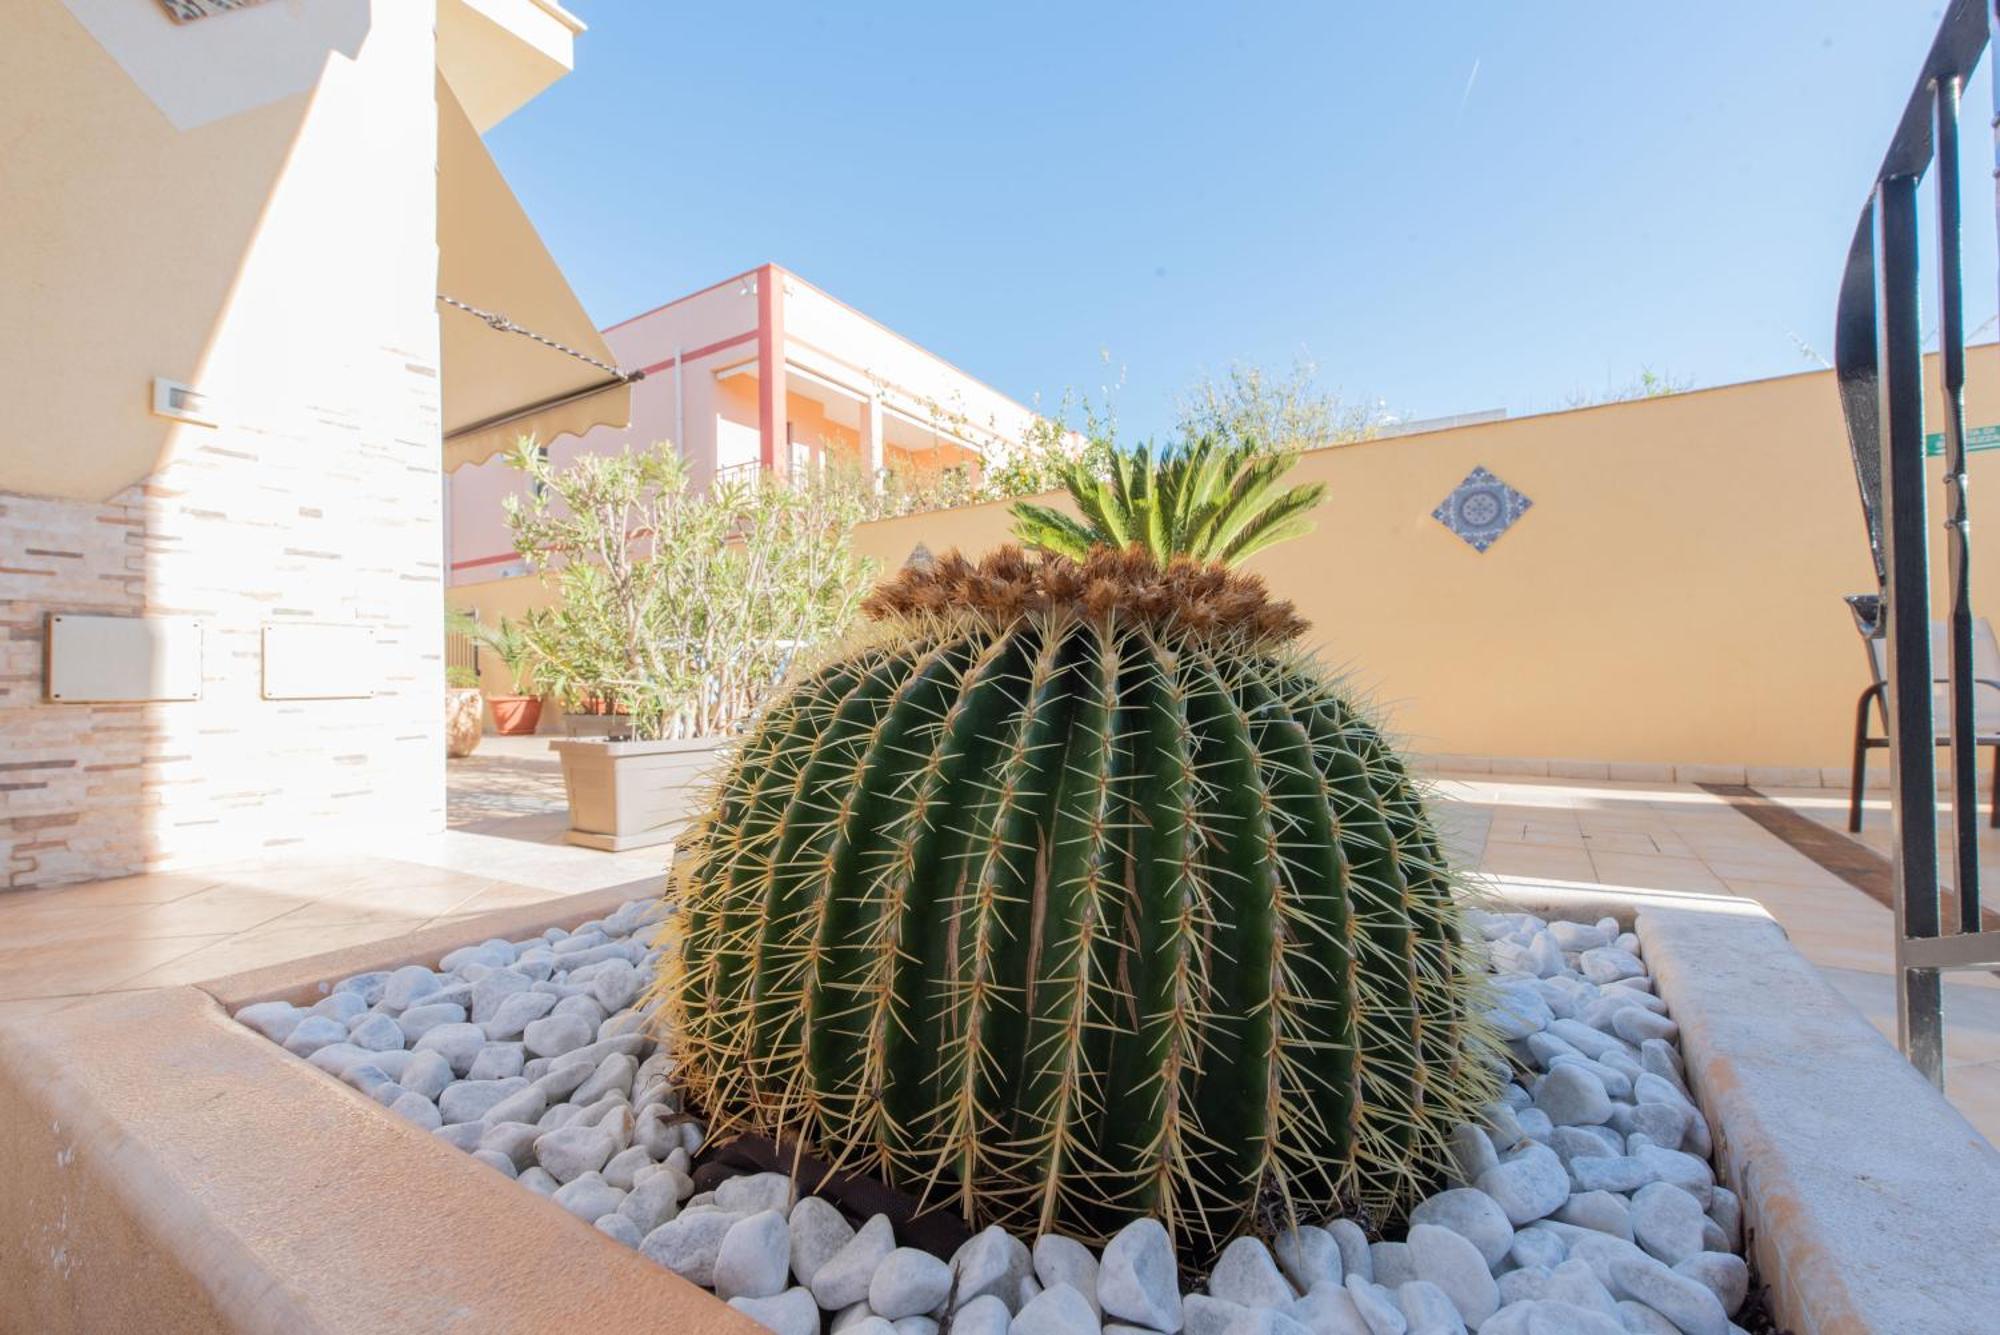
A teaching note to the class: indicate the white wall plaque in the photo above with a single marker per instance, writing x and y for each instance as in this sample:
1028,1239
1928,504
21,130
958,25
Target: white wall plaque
100,659
303,661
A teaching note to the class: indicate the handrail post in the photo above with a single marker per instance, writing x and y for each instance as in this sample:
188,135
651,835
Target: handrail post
1912,763
1961,676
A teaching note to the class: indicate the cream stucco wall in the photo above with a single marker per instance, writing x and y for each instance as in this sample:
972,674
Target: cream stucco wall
278,250
1673,596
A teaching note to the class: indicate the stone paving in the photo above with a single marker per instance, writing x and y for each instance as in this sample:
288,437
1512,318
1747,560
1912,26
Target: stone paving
1687,839
510,785
504,848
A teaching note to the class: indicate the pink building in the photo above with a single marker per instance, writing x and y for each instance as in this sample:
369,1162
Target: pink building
762,371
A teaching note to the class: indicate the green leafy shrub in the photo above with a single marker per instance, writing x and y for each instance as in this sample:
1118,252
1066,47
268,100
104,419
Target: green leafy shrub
677,610
508,640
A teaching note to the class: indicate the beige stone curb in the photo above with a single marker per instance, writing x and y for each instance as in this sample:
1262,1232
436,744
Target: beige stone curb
305,981
1874,1205
1870,1203
167,1170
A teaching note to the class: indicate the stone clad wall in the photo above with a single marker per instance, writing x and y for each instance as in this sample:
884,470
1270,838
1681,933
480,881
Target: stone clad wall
331,521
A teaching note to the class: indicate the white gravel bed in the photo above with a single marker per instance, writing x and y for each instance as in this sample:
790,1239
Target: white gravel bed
1586,1204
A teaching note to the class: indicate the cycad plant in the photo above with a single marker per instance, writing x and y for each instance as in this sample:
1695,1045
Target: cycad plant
508,640
1204,500
1075,891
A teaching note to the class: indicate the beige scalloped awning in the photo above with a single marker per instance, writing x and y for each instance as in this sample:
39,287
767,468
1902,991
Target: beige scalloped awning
504,383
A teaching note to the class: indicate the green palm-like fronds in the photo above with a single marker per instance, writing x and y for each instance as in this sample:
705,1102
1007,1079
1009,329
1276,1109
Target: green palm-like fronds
1204,500
508,641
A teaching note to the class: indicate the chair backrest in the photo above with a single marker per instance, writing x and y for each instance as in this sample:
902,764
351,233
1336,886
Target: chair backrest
1985,652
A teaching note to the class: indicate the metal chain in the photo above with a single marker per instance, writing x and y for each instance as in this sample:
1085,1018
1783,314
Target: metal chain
507,326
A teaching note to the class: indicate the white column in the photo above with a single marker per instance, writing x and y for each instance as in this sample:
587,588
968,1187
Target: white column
871,440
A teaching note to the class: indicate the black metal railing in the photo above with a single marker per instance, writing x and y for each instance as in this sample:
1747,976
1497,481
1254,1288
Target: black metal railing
1878,359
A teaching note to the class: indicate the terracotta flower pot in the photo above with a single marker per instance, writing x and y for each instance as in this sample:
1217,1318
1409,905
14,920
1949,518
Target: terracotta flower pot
462,721
515,715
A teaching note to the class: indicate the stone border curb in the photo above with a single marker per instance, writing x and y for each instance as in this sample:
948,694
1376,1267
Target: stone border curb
171,1171
304,981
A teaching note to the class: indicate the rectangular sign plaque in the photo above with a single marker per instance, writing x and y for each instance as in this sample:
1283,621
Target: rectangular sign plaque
1977,438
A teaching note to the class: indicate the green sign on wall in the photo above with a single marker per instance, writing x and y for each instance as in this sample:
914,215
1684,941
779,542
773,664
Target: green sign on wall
1976,439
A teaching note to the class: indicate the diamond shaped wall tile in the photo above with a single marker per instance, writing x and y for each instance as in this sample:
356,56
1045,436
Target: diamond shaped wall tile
1480,509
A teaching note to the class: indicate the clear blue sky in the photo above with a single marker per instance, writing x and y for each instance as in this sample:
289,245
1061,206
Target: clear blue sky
1057,195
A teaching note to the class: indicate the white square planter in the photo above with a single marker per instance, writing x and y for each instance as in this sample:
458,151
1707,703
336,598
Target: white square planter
634,794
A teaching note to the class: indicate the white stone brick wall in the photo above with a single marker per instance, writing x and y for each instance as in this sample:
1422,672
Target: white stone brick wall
312,514
309,327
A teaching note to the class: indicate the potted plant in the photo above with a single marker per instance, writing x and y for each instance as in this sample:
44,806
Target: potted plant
520,713
462,714
674,615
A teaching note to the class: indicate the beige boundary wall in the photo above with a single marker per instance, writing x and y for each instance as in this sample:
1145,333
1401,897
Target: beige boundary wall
1670,606
1669,609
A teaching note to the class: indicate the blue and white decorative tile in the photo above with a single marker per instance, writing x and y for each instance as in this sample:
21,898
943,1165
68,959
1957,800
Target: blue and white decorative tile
1480,509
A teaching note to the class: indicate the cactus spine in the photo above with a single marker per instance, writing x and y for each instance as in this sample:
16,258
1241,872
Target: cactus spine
1078,893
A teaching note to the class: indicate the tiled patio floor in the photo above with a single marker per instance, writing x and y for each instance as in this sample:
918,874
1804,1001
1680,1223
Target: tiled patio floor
1678,837
505,848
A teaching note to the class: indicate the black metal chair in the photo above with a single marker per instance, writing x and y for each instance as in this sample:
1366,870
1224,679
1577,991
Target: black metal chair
1986,707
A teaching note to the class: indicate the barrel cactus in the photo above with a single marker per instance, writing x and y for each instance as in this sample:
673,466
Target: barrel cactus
1074,892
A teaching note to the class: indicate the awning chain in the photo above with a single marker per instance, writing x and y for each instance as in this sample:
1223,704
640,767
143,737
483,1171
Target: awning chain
507,326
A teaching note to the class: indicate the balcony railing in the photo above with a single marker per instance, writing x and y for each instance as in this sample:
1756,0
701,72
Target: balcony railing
461,651
1878,358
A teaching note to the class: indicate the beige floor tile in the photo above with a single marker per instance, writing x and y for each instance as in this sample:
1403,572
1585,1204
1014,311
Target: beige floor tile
1798,871
220,908
1563,864
1835,949
48,922
1632,841
152,888
1654,872
1964,1046
1548,836
1975,1092
1733,845
74,967
426,893
1634,818
1823,904
500,896
255,950
342,913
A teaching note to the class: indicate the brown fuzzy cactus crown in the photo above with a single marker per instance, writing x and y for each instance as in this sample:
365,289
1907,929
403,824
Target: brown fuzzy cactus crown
1183,595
